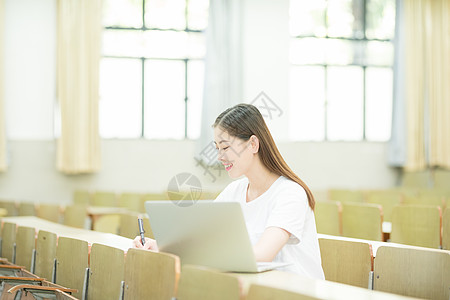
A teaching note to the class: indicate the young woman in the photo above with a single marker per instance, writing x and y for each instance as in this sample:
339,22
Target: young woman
277,204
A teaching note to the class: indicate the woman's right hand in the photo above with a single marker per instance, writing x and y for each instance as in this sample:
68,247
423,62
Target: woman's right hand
149,244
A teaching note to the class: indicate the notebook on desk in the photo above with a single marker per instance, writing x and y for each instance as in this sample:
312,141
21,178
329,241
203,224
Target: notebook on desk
207,233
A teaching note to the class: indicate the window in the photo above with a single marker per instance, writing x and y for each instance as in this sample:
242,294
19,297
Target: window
341,80
151,72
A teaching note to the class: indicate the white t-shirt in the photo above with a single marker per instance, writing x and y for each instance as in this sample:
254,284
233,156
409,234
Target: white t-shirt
284,205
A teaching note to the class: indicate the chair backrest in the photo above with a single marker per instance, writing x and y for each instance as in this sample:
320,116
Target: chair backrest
75,215
417,225
104,199
328,217
25,244
151,275
131,201
50,212
388,199
72,261
262,292
27,209
446,229
10,206
45,254
201,283
346,195
416,272
441,178
8,241
419,179
346,261
425,199
107,223
107,265
129,225
150,197
362,220
81,197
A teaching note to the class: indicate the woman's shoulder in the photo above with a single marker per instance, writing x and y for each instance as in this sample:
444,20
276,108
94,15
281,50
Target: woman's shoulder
287,186
233,188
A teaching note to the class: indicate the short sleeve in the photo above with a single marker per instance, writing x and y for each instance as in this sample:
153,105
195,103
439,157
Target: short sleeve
289,211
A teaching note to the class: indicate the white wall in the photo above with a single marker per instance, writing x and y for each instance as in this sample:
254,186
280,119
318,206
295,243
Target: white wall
144,166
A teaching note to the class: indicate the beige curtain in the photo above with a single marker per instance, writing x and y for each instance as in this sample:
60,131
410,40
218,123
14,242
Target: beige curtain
2,92
427,83
78,51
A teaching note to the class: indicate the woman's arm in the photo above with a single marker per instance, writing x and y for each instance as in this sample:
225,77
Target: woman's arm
270,243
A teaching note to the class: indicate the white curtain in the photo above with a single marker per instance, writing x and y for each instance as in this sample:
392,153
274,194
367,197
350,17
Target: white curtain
78,51
421,123
223,66
3,165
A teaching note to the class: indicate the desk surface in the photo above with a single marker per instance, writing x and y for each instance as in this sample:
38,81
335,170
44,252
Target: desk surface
90,236
321,289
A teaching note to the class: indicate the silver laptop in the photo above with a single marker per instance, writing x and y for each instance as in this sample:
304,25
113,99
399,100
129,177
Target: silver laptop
206,233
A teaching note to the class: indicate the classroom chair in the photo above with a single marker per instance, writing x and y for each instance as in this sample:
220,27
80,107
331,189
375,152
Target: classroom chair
130,201
27,209
50,212
151,197
201,283
346,195
75,215
418,179
262,292
71,264
418,225
139,283
347,262
428,199
362,220
8,241
388,199
103,199
446,229
25,247
441,178
45,254
10,206
415,272
81,197
106,272
107,223
47,290
128,226
328,217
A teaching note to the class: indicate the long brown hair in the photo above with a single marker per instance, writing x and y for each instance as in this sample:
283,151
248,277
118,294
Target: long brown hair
245,120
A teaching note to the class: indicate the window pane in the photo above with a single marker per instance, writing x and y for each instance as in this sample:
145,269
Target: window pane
378,103
198,14
120,98
196,71
343,52
307,103
307,51
165,14
122,13
380,19
380,53
122,43
345,18
307,17
153,44
345,103
164,99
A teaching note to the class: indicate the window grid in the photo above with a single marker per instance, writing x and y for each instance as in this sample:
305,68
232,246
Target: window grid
144,59
363,66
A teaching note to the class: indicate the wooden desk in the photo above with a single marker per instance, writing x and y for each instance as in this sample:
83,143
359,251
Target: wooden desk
90,236
96,212
320,289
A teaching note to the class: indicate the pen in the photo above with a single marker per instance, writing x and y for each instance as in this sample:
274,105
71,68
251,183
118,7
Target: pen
141,231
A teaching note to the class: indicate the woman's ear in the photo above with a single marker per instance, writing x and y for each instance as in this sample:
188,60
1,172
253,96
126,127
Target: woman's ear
254,144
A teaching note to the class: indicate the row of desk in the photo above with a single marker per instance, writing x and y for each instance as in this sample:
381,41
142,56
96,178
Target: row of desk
313,288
